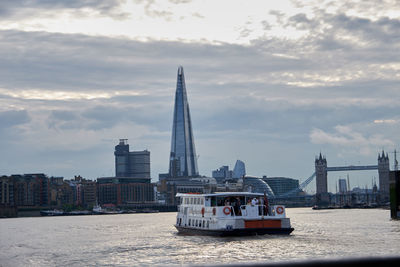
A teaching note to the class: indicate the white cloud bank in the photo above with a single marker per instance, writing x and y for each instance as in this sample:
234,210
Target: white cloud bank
347,139
266,82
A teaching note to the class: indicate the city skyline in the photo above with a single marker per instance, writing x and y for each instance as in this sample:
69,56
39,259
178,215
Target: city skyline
272,84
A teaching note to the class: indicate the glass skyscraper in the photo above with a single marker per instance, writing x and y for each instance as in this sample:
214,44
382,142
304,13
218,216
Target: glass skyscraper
183,159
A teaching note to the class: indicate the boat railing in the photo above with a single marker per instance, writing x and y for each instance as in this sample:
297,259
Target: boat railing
254,210
247,210
234,211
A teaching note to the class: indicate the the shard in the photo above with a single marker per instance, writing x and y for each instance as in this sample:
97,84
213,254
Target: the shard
183,159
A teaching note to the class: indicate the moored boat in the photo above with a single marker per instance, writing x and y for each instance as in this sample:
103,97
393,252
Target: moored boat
97,210
54,212
230,214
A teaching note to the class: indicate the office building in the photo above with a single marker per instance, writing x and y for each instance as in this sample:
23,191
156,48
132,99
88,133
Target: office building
222,173
281,185
257,185
183,158
342,186
134,164
239,170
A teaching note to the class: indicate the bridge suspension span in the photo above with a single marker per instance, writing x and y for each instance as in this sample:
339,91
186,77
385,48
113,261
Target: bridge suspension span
298,189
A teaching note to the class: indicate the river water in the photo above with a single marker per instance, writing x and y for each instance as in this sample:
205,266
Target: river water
151,239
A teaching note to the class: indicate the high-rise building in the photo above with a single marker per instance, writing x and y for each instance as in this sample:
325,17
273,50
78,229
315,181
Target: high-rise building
239,170
134,164
342,186
183,159
222,173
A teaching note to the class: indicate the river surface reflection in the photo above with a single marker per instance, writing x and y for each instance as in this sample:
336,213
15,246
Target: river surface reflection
151,239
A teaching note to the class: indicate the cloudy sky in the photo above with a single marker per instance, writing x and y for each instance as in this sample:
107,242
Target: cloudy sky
272,83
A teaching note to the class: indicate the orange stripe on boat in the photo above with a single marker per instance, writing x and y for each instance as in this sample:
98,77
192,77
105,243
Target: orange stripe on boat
263,224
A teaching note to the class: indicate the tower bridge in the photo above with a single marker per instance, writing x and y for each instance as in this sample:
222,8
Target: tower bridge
352,168
322,169
321,175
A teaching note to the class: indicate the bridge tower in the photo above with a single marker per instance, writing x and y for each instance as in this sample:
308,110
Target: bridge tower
322,197
383,170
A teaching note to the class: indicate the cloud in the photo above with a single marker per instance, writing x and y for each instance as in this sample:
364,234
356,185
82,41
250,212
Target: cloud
348,139
11,118
268,102
386,121
23,9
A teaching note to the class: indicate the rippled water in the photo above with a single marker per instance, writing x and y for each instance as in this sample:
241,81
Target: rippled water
151,239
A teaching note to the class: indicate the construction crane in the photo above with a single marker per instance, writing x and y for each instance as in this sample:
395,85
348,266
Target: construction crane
396,163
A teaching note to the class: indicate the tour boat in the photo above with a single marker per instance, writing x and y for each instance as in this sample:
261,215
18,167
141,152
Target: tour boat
230,214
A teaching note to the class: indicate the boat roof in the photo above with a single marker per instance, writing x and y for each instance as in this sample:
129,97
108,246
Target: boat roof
220,194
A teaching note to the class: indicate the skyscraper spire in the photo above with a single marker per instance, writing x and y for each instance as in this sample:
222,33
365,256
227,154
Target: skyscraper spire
183,159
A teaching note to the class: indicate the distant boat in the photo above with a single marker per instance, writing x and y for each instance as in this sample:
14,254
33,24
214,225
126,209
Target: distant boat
148,211
54,212
99,210
78,212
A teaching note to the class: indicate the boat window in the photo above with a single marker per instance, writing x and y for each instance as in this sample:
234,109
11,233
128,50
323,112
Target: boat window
199,223
202,201
221,201
208,224
197,201
204,224
213,201
191,200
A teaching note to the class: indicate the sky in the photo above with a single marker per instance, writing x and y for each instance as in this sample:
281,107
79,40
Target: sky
272,83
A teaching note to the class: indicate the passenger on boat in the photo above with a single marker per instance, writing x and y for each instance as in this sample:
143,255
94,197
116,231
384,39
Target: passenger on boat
237,207
266,208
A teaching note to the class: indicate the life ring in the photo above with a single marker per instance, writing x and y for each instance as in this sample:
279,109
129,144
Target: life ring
227,210
202,211
279,210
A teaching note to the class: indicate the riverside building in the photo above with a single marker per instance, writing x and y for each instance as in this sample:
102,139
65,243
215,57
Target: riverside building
125,191
281,185
257,185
